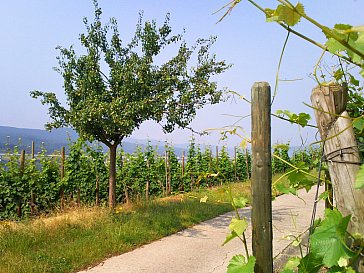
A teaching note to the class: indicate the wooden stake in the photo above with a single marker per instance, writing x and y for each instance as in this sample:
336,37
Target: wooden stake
21,172
147,185
261,178
236,177
341,151
166,170
183,169
32,195
63,158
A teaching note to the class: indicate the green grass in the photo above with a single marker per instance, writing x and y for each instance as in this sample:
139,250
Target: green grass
85,236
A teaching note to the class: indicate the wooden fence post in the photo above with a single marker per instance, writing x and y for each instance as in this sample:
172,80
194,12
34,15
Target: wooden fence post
63,158
166,170
32,195
148,182
341,151
21,172
236,177
261,178
183,170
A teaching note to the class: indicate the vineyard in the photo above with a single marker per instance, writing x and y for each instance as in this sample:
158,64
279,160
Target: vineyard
34,184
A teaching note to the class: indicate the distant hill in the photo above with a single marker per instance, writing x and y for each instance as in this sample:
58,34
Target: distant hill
58,138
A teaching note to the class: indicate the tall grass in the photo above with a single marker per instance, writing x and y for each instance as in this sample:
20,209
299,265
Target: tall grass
85,236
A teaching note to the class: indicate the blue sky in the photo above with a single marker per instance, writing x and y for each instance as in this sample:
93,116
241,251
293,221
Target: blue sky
30,31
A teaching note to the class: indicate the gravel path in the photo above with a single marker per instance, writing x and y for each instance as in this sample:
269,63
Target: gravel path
198,249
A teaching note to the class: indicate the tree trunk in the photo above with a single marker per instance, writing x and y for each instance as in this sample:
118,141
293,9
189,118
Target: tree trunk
112,176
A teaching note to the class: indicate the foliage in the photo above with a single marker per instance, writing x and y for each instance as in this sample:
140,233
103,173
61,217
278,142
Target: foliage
328,242
86,177
108,104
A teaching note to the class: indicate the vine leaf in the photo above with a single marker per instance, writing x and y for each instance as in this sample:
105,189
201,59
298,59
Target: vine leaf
359,181
237,227
311,263
358,124
239,264
301,118
292,263
239,202
286,189
286,14
328,239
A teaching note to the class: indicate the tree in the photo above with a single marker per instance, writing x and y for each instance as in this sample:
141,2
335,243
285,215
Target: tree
113,88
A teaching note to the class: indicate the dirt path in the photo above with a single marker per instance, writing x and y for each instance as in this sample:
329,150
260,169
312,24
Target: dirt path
198,249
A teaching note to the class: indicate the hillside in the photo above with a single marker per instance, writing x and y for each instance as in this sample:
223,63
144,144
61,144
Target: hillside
58,138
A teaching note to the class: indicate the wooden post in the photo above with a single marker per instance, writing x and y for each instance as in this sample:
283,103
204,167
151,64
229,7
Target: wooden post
148,182
341,151
63,158
236,178
32,195
183,169
166,169
261,178
21,172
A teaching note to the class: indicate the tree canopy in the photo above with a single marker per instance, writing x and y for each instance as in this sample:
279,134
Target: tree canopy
114,86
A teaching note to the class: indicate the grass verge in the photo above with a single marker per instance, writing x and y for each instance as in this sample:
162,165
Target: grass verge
83,237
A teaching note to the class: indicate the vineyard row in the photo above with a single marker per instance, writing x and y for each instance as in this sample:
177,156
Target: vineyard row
35,184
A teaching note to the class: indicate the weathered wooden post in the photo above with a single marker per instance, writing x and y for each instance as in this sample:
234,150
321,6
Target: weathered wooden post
183,171
261,178
32,195
235,174
21,172
166,170
341,151
63,158
148,182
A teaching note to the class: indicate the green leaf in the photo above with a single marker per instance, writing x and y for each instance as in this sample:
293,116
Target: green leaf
238,226
292,263
362,73
238,264
359,181
358,124
311,263
229,237
356,29
324,195
328,239
240,202
334,46
271,15
286,189
290,16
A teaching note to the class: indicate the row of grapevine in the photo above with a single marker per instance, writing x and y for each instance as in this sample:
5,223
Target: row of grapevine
40,183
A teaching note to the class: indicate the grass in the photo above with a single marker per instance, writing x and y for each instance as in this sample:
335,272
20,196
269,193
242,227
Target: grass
83,237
